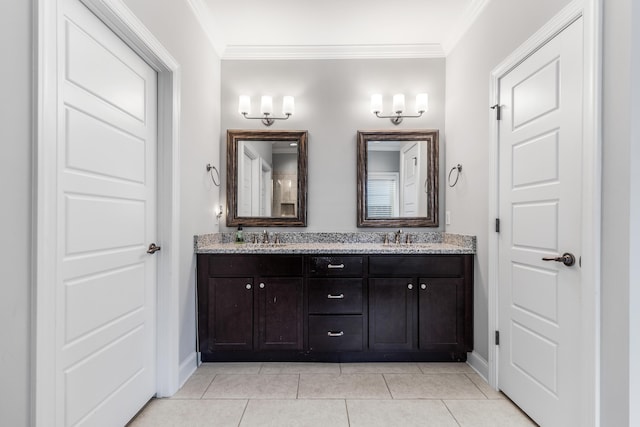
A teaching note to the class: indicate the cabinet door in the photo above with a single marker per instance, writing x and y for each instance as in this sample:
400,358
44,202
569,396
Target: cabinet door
231,313
280,313
441,314
391,313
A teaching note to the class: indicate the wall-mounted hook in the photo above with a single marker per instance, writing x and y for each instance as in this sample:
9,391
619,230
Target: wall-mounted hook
211,169
457,168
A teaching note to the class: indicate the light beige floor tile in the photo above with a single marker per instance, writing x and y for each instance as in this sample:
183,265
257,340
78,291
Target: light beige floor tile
405,413
229,368
253,386
380,368
192,413
294,413
488,413
352,386
484,387
195,386
432,386
446,368
300,368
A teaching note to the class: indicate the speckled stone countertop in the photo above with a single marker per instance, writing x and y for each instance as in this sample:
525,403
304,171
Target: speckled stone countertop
432,242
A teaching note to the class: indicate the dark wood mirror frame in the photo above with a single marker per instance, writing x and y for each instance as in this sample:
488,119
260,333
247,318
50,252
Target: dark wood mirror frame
233,136
431,136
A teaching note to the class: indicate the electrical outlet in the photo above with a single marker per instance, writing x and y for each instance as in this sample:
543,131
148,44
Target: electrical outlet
447,218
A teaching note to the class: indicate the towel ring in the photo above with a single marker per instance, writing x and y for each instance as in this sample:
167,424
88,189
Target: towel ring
210,169
457,168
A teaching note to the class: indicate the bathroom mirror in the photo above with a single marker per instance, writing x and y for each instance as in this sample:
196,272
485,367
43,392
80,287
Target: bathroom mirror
266,178
398,178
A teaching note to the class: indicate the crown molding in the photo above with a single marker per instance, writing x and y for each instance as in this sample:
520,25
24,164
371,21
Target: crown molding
203,16
365,51
471,13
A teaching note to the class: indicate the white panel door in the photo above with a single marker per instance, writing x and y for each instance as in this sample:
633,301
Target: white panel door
540,142
410,172
106,281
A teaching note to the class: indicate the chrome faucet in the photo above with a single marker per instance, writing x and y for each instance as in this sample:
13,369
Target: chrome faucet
265,236
398,236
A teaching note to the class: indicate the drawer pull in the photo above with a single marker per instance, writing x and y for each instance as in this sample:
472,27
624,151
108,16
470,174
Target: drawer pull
335,266
335,334
330,296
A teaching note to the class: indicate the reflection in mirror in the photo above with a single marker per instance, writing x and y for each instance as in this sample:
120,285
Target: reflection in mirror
266,178
398,179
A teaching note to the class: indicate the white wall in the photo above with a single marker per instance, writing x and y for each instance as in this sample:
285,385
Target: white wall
620,350
175,26
333,103
500,29
15,214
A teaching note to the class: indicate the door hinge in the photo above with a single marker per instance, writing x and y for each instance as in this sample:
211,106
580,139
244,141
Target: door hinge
497,337
497,225
497,107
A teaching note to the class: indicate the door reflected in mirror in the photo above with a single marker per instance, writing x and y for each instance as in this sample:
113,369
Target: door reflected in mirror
266,178
397,179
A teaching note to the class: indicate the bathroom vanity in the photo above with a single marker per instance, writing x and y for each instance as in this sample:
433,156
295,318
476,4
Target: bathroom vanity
335,301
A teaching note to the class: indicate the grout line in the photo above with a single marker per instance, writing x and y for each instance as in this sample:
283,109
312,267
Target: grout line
207,387
386,384
346,407
453,416
478,387
243,412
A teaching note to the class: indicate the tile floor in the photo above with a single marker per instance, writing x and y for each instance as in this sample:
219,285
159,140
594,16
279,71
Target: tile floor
334,395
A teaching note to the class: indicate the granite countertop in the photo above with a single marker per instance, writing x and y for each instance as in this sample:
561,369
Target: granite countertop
337,243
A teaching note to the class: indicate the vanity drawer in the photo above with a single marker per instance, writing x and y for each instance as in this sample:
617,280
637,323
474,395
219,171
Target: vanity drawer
407,265
335,333
335,265
335,296
255,265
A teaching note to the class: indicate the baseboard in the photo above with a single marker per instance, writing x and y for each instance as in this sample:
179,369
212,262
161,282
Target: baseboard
187,368
479,364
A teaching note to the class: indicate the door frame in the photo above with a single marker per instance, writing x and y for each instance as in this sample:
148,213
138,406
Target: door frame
589,353
44,239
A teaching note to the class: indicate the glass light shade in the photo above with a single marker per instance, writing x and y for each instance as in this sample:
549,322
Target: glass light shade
376,103
244,104
398,103
266,105
422,102
288,105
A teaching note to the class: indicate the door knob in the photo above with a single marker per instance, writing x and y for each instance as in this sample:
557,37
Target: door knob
153,249
567,259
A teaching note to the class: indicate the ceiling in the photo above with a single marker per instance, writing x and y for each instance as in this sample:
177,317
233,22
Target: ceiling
281,29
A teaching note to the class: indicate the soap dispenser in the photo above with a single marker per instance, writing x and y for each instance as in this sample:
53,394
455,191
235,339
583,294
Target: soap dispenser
239,235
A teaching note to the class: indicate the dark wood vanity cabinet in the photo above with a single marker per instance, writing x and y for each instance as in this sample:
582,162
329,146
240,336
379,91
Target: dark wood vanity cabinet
421,303
350,307
249,303
335,304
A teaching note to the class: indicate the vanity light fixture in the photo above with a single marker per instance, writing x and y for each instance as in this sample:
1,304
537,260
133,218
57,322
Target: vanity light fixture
422,105
266,108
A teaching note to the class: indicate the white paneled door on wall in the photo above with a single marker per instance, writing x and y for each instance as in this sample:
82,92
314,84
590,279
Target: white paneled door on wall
540,169
106,198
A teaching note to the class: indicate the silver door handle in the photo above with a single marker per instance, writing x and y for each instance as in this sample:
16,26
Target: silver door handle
335,334
153,249
567,259
330,266
330,296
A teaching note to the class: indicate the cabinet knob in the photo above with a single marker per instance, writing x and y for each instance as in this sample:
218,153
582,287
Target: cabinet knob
410,286
248,286
261,285
423,286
